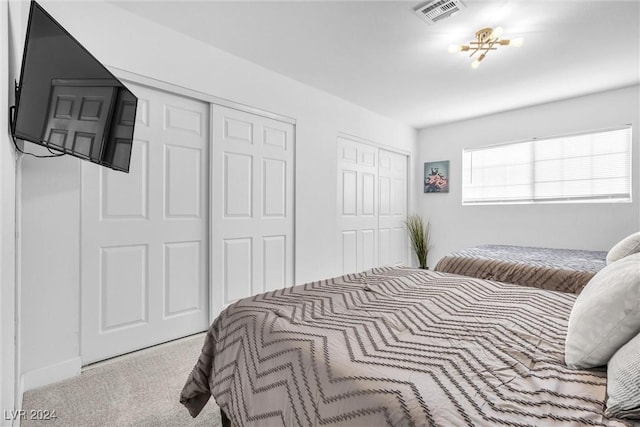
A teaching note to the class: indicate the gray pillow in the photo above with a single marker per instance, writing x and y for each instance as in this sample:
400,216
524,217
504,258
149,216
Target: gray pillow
623,381
627,246
605,315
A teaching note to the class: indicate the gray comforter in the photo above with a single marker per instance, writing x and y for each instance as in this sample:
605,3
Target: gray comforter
400,347
565,270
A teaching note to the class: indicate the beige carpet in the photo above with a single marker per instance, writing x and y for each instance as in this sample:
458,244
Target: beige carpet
140,389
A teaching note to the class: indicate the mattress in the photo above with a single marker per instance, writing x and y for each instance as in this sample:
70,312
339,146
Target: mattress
398,347
564,270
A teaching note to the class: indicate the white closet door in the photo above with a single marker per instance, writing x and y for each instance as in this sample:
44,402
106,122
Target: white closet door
144,234
392,234
252,192
357,205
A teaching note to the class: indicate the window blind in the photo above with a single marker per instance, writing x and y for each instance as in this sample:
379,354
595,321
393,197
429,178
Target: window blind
592,167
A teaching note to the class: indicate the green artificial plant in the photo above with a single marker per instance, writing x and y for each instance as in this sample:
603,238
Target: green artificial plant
419,234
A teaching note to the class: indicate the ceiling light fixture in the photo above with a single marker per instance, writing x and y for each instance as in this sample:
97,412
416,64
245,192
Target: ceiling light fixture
486,39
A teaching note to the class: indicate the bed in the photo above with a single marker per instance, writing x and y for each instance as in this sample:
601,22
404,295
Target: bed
397,346
565,270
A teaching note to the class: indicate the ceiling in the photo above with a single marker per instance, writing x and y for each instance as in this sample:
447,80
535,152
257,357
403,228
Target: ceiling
380,55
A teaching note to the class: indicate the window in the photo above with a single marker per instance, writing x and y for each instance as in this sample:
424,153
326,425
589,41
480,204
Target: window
591,167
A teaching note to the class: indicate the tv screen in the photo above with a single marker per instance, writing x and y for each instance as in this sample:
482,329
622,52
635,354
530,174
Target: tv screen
68,101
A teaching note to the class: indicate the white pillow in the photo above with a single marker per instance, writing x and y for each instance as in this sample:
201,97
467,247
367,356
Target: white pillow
605,315
627,246
623,381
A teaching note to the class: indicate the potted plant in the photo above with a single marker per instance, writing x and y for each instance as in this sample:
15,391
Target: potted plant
419,234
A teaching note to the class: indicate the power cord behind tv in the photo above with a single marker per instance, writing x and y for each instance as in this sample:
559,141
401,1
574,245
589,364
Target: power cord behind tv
12,121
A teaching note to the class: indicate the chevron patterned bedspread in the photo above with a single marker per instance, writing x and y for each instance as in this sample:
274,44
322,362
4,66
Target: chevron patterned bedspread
565,270
399,347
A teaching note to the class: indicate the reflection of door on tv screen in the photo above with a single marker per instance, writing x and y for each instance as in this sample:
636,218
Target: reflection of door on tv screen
78,116
118,150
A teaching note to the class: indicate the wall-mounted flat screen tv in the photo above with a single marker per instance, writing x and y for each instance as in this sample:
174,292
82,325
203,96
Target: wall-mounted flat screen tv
68,101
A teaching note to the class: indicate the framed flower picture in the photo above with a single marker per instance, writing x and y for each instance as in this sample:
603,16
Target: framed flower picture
436,177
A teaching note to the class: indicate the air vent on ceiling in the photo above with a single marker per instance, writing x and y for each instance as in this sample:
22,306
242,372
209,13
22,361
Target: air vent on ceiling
437,10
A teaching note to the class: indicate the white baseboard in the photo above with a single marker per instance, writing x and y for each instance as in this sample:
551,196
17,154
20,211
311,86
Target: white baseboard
51,374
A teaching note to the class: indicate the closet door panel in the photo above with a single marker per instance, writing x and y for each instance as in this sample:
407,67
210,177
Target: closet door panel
393,209
372,206
358,205
144,234
252,205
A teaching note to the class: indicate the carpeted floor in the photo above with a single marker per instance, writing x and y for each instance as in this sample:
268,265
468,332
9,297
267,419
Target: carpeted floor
140,389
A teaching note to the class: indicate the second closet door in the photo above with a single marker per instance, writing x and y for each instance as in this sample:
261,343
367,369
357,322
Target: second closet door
372,190
252,194
392,184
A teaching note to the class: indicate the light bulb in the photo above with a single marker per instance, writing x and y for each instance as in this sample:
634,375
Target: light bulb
475,64
455,48
517,42
497,32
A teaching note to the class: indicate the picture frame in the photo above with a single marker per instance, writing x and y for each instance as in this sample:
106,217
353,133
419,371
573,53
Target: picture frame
436,177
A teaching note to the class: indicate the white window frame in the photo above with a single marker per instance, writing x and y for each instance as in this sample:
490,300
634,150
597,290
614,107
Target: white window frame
528,181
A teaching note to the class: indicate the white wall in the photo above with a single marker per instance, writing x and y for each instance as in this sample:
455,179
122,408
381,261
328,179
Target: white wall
9,70
50,228
595,226
7,240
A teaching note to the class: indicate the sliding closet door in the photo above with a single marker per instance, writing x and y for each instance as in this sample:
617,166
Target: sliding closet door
372,206
252,195
357,205
392,234
144,234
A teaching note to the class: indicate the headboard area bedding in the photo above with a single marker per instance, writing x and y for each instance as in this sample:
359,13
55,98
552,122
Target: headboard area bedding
564,270
400,347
